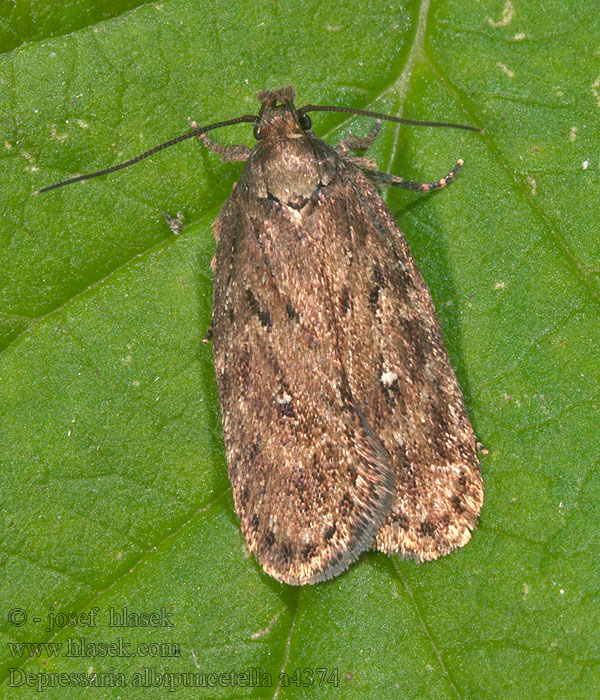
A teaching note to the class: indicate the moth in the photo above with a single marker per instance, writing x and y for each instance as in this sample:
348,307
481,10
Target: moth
344,425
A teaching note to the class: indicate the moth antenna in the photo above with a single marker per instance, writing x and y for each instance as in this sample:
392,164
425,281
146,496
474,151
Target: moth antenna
387,117
171,142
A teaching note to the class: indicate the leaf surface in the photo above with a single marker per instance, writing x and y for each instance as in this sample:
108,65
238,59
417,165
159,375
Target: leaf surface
114,486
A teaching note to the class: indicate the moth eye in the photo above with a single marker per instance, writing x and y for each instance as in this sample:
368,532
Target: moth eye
305,121
257,133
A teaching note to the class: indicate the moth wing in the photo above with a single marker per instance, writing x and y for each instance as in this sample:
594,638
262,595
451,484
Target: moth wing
392,348
311,482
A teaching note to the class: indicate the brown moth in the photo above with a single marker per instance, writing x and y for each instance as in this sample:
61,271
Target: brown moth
343,421
344,424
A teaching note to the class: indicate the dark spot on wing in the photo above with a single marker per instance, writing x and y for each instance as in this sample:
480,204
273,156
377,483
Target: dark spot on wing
292,315
345,300
318,472
297,202
402,521
346,505
285,409
254,448
330,532
263,316
309,550
378,283
426,528
374,297
285,551
457,505
439,436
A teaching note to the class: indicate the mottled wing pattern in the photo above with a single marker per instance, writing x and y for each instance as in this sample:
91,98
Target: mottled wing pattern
311,483
391,347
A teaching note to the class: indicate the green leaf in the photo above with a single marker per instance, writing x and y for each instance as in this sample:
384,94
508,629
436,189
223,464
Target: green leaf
35,20
114,490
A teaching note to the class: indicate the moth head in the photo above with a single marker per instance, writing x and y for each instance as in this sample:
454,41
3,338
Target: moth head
278,117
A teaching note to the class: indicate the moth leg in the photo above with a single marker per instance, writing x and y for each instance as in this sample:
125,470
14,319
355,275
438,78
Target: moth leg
387,179
481,448
356,143
227,153
175,223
